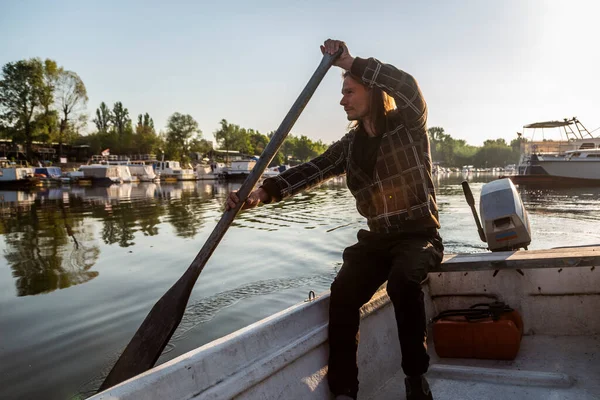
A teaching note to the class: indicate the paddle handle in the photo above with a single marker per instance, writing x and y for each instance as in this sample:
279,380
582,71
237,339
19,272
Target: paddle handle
270,151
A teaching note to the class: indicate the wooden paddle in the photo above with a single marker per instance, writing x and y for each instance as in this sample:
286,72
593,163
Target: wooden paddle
153,335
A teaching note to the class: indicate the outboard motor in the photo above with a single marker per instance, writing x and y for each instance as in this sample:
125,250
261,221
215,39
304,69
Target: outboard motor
505,221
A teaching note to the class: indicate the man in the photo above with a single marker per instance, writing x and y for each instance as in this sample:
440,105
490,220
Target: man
386,159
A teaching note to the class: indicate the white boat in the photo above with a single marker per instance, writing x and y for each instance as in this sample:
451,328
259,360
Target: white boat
134,171
467,169
72,176
125,173
557,138
239,168
285,355
274,171
171,170
510,169
101,174
142,172
48,175
205,172
16,175
574,165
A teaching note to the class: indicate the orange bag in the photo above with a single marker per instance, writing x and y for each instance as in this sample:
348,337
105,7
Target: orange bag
485,331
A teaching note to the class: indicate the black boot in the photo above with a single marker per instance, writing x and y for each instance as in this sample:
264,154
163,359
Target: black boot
417,388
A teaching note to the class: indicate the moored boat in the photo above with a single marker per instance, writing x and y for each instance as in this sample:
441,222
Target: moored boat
205,172
172,171
101,174
15,176
48,175
583,165
143,172
542,161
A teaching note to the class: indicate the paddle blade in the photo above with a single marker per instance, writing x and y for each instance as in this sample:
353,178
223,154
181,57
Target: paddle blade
154,334
468,193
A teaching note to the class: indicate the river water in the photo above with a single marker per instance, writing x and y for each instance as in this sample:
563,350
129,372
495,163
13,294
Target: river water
81,267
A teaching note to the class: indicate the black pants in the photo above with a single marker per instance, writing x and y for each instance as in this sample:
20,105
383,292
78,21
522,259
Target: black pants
402,260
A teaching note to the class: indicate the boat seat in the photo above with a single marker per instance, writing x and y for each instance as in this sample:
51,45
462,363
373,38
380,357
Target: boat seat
563,257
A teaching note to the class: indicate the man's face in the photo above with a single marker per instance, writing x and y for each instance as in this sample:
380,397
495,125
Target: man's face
355,99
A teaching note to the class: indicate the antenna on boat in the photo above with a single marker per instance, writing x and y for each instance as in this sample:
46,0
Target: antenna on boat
471,202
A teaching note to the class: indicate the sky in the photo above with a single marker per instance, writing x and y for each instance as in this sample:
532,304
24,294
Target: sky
486,68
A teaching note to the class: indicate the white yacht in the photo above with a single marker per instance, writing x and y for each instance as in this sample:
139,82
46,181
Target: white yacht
552,140
575,164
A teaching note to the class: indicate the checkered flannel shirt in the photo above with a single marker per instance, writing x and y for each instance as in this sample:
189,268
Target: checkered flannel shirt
399,196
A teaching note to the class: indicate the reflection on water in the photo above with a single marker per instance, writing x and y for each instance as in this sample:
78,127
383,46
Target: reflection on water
49,246
46,245
115,250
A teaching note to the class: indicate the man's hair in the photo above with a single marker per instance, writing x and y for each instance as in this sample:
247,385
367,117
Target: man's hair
381,104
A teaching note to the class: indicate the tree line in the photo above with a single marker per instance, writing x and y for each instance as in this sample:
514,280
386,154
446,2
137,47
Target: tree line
451,152
43,102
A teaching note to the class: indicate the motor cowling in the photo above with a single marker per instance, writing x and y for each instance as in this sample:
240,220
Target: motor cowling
503,216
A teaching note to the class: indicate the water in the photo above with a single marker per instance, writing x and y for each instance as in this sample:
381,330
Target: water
81,267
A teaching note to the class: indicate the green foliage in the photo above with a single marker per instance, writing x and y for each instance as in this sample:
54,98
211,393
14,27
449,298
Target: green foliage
40,101
71,98
258,141
120,120
452,152
145,140
231,137
200,146
22,89
103,118
47,120
181,129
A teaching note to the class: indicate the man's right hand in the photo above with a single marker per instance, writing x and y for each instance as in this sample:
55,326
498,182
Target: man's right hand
345,60
252,201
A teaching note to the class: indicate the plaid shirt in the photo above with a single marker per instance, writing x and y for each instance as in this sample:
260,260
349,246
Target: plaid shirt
399,196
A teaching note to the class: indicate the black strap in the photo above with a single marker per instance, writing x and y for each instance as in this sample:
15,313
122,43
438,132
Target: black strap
477,312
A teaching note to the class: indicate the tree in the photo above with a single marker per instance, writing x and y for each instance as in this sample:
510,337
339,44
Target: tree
229,137
103,118
436,133
146,141
180,129
47,120
71,96
258,141
145,121
305,149
494,153
200,146
21,88
120,119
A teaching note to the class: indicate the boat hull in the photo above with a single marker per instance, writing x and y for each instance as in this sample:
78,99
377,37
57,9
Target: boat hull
286,355
550,180
573,169
20,183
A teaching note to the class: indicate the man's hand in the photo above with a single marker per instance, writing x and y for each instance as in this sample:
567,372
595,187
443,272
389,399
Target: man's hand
345,60
252,201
